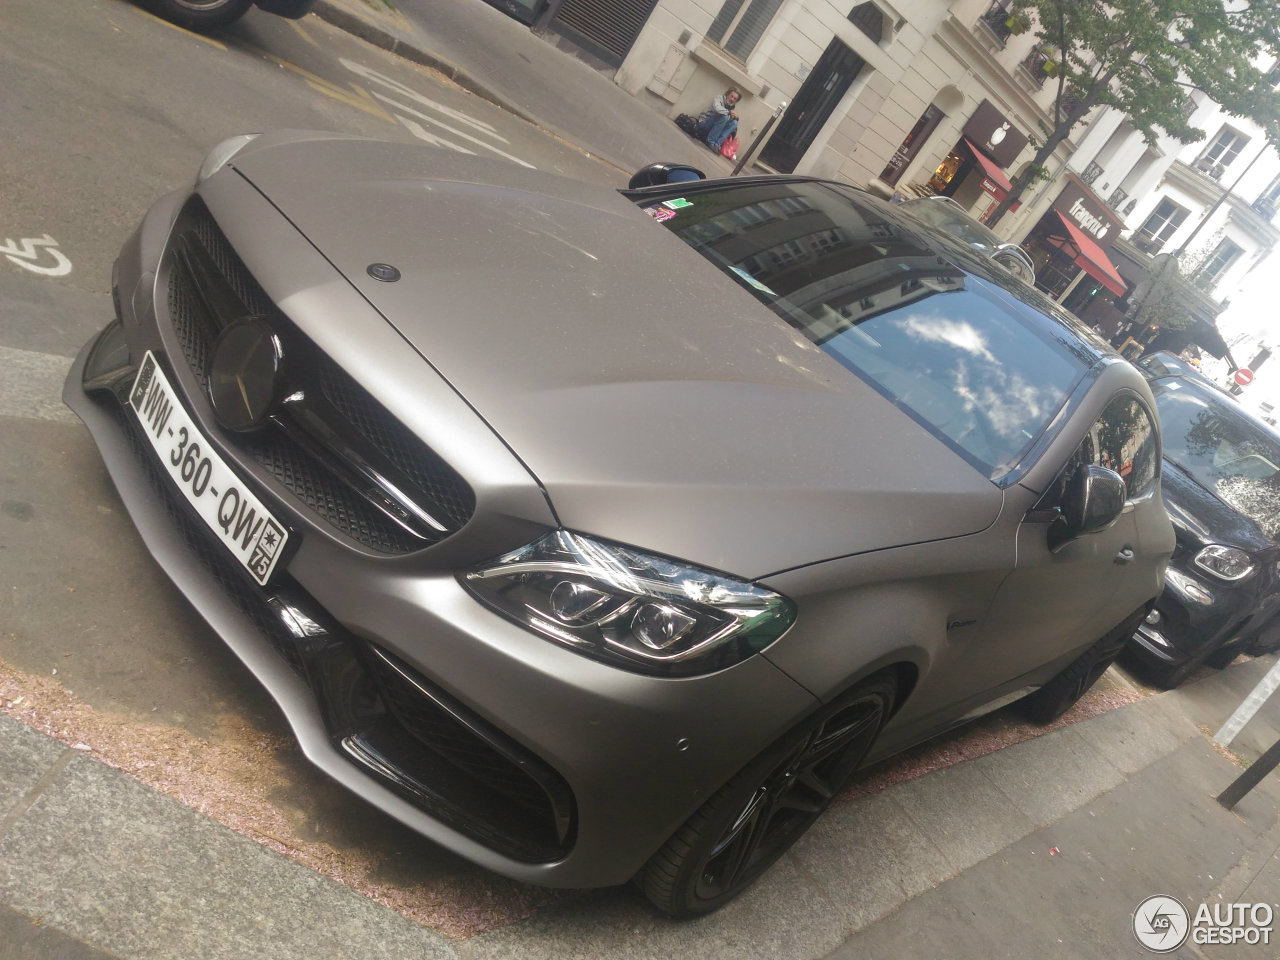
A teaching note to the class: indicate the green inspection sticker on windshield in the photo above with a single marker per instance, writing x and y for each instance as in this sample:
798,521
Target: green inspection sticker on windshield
677,204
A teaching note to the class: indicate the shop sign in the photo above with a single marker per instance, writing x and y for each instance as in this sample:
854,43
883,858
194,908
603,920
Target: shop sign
994,134
1087,212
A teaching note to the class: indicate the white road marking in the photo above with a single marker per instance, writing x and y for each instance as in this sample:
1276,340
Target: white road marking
417,130
478,126
26,251
31,385
374,76
454,130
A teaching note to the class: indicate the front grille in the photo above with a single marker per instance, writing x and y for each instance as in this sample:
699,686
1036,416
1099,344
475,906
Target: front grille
332,447
383,715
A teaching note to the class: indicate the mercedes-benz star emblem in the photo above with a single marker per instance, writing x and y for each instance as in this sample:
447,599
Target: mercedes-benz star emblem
243,374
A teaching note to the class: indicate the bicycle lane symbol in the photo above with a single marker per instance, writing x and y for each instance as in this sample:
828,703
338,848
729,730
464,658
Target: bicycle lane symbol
28,252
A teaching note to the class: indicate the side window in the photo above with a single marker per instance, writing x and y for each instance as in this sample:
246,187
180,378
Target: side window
1123,439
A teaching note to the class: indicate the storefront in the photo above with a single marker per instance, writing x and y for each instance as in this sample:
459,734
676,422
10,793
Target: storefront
1069,247
973,172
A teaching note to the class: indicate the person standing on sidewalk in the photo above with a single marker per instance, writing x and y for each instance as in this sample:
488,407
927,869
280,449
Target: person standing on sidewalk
720,122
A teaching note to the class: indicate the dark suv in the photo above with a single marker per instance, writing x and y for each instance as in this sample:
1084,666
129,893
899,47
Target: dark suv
1221,486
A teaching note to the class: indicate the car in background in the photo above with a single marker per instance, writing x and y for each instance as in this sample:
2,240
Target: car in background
1221,486
212,14
604,535
947,215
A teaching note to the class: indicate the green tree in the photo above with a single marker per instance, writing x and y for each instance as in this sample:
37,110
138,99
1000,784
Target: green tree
1145,57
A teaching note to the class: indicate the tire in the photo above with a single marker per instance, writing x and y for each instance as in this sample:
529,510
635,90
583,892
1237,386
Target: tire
754,818
1223,657
1062,692
1167,676
200,15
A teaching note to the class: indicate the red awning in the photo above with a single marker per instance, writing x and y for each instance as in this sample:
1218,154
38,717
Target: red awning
999,181
1092,260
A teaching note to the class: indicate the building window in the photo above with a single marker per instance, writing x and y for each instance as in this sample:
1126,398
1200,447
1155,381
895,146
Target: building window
1160,226
740,24
1039,65
1000,20
868,18
1269,200
1225,147
1226,254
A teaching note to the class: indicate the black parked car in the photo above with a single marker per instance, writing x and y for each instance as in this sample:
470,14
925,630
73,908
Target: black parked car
1221,487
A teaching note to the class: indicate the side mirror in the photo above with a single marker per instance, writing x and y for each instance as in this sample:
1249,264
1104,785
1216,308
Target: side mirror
1092,501
656,174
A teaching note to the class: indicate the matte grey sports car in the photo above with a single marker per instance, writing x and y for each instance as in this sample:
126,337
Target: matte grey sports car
603,536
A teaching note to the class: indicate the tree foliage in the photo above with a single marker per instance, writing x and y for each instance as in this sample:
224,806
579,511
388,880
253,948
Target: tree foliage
1145,57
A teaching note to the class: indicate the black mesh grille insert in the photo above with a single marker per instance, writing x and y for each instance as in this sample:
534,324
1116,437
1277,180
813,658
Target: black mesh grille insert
325,495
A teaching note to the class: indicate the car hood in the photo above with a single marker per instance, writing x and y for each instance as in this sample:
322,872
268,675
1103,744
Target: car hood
657,403
1203,516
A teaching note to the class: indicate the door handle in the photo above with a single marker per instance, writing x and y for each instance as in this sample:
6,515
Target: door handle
1125,555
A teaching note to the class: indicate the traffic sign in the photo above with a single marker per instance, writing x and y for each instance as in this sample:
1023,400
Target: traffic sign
1244,376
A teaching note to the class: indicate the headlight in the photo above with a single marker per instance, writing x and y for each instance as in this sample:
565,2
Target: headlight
633,609
217,157
1226,563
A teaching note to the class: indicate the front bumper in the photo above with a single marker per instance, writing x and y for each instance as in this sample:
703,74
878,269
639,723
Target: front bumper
521,756
1196,617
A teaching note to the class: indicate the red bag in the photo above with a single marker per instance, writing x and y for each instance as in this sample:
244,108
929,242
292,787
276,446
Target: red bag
729,148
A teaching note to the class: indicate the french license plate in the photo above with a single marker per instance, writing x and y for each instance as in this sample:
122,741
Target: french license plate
233,513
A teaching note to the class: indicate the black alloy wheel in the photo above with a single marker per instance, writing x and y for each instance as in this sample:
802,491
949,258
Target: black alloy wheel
752,820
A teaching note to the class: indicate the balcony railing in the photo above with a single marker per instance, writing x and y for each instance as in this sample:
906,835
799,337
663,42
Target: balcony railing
1039,66
1000,21
1091,173
1117,197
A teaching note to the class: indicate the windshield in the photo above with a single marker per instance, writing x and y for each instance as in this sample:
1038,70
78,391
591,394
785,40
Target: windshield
948,215
954,348
1223,450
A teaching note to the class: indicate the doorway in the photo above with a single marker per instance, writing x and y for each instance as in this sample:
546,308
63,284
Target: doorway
812,106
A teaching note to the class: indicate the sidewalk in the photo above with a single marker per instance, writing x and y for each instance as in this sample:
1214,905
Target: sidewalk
1042,849
499,59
